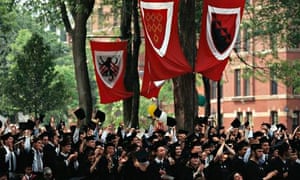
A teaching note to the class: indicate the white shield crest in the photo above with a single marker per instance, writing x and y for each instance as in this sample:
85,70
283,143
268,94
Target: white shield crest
224,52
168,6
109,66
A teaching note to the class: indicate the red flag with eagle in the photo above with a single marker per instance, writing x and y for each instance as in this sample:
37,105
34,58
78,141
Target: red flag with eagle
164,57
109,62
219,31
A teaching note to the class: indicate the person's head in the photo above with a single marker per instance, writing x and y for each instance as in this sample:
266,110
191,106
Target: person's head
161,152
45,139
178,151
237,176
65,146
181,135
110,149
28,170
91,155
293,155
90,141
53,137
8,139
196,147
265,145
3,176
241,148
37,144
47,173
195,160
257,151
99,149
283,148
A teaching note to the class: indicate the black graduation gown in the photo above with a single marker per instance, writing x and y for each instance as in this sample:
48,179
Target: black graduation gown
3,164
50,157
130,172
294,171
254,171
238,165
63,170
103,172
218,170
155,167
280,166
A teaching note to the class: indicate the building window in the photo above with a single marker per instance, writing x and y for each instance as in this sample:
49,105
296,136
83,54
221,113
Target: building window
237,82
246,87
274,117
237,45
249,118
274,85
296,119
214,89
239,115
246,41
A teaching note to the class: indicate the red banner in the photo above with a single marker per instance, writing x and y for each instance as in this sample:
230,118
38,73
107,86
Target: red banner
163,54
109,63
150,89
219,31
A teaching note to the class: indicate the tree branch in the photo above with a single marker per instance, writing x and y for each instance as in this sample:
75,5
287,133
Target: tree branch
65,18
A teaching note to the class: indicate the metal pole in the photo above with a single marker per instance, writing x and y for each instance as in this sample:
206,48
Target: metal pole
220,123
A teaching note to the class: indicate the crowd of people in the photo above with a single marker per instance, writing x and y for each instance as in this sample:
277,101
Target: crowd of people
31,152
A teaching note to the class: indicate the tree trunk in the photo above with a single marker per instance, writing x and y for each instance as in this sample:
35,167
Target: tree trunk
185,95
134,64
81,71
207,95
131,105
78,35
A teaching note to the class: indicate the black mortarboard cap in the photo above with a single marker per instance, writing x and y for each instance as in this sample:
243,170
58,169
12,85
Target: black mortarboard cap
6,136
255,146
194,155
263,140
30,125
35,139
79,113
22,125
240,145
100,115
109,144
88,138
98,143
67,135
171,121
26,125
65,142
91,125
141,156
268,125
257,134
157,112
281,146
281,126
182,131
236,123
201,120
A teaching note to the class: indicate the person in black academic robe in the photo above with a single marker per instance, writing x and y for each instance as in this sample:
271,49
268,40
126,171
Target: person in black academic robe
255,170
50,152
66,163
160,166
294,165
